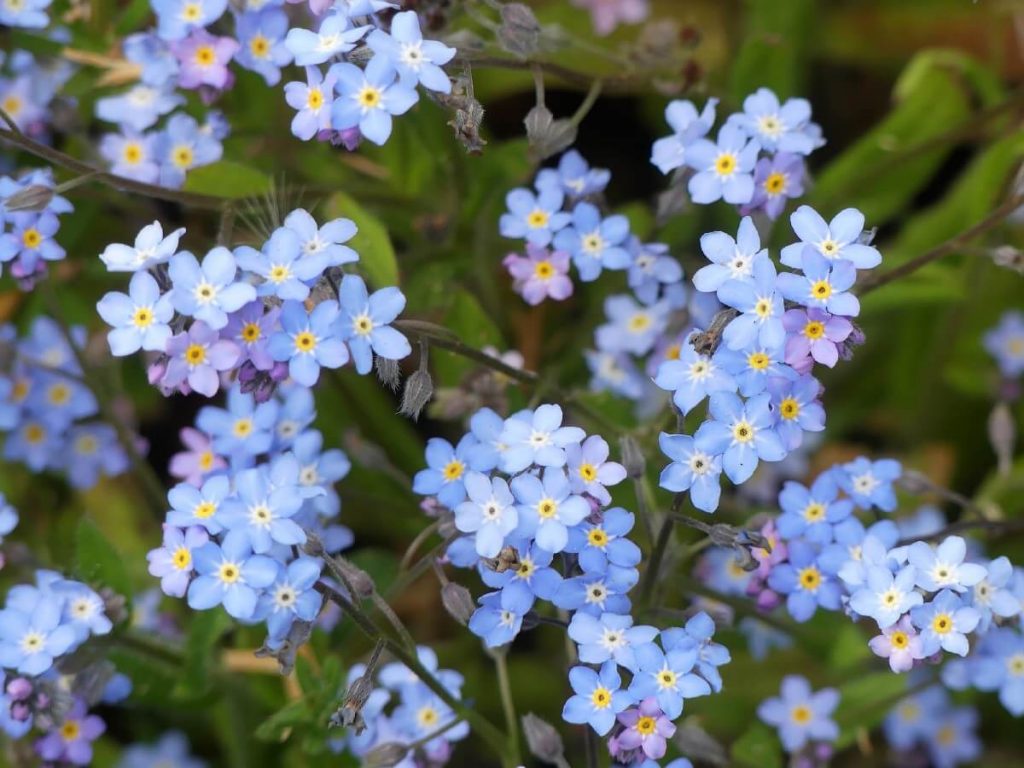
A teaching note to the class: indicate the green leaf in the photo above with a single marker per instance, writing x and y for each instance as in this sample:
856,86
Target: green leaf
864,702
376,254
96,560
227,179
775,48
205,630
758,747
474,326
280,724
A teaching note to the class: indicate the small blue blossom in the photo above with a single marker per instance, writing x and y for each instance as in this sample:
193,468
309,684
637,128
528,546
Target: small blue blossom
131,154
589,468
312,100
241,431
724,169
885,597
595,243
742,433
632,327
309,341
173,562
574,177
291,596
697,633
597,698
823,285
335,36
365,319
285,270
533,574
140,107
869,483
30,14
837,239
992,597
547,508
230,574
32,634
752,369
797,408
944,623
652,268
417,60
811,513
534,217
369,98
192,506
262,507
597,593
610,636
176,18
777,127
489,513
500,616
999,666
805,581
800,714
184,145
151,248
139,319
261,36
943,567
537,437
695,467
760,306
692,377
688,126
668,677
209,291
445,477
326,240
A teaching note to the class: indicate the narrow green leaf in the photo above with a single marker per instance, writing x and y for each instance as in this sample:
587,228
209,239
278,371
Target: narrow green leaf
205,630
227,179
96,560
758,747
376,254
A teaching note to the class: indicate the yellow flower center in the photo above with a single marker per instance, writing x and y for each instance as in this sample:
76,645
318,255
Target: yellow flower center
543,270
206,461
34,433
182,558
814,329
829,248
12,104
369,97
242,428
182,156
946,735
814,512
143,317
758,361
362,325
86,445
942,624
547,508
821,290
205,56
59,394
314,99
259,46
809,578
763,308
204,510
192,12
427,717
305,341
453,470
588,472
132,153
251,332
775,184
743,432
673,352
601,698
596,537
31,238
525,569
195,354
725,164
1016,664
639,322
667,678
70,730
899,639
229,573
800,714
789,408
537,218
645,725
279,273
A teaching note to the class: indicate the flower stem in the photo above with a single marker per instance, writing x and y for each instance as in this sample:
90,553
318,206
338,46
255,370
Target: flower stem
508,705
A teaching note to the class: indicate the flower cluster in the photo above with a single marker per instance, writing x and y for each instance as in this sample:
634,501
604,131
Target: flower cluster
756,375
29,84
525,489
29,210
245,312
258,485
346,102
48,412
928,720
403,717
757,161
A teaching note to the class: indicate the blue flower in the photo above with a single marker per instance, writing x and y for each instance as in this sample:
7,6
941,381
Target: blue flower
308,342
230,574
548,508
191,506
688,125
176,18
132,155
886,597
800,714
1000,667
838,239
32,634
417,60
697,633
183,145
265,500
535,217
604,543
84,610
500,616
208,292
753,368
632,327
694,468
140,107
796,407
761,309
291,596
537,437
693,377
95,450
805,581
8,517
1005,343
139,319
369,98
173,563
725,170
741,433
286,271
313,100
943,567
823,285
812,513
731,259
29,15
30,240
777,128
944,623
263,50
364,322
153,55
990,595
589,468
595,243
597,593
574,177
151,248
869,483
241,431
327,240
951,738
490,513
610,636
335,36
533,574
667,676
598,697
651,269
445,476
171,749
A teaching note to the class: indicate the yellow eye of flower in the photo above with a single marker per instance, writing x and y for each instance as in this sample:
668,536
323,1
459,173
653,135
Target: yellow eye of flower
34,433
639,322
801,715
809,578
204,510
743,432
362,325
597,538
192,12
673,352
899,639
182,157
205,56
537,219
601,698
195,354
132,153
588,472
314,99
305,341
814,512
725,164
251,332
12,104
942,624
59,394
86,445
242,428
775,184
369,97
789,409
427,717
259,46
229,573
143,317
182,558
543,270
31,238
453,470
758,361
206,460
829,248
814,330
70,730
547,508
279,273
763,308
645,725
821,290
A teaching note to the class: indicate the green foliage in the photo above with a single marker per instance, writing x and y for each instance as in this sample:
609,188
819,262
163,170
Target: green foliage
227,178
97,561
376,254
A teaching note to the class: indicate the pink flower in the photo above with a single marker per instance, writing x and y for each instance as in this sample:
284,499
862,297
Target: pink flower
900,644
199,460
608,14
540,274
204,60
816,334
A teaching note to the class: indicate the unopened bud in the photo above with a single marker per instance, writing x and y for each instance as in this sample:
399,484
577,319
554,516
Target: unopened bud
458,601
419,388
1002,433
543,740
385,755
698,744
546,135
34,197
632,457
1009,257
520,31
387,372
360,581
19,688
915,482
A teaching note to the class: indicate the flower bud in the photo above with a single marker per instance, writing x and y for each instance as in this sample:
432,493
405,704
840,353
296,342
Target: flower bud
360,580
385,755
419,388
520,32
546,135
19,688
543,740
387,372
458,601
1002,434
34,198
632,457
1009,257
